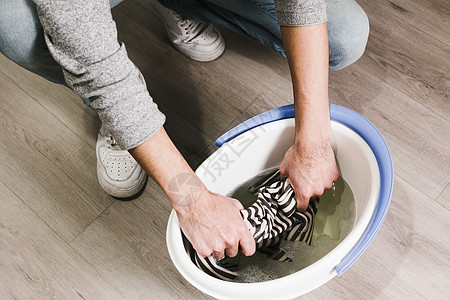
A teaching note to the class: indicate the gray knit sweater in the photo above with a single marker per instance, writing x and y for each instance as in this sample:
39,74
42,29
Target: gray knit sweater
82,37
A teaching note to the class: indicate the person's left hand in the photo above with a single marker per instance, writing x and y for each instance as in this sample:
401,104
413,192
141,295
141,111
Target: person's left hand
311,168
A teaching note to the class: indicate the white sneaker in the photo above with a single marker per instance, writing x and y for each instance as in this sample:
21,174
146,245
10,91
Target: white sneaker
117,171
199,41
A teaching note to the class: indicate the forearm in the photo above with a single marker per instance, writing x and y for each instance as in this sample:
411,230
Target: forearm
307,51
159,157
309,163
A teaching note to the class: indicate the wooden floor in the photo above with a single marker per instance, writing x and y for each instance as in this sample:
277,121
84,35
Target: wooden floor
62,237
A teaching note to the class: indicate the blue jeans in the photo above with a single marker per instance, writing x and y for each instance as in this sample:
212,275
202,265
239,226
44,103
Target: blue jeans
22,38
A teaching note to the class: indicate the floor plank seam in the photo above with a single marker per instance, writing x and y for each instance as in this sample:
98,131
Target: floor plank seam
163,226
59,167
90,223
40,104
61,121
86,261
429,198
386,269
34,212
98,272
394,71
441,194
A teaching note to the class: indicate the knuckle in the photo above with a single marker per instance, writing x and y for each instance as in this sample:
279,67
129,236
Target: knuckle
249,250
231,242
232,252
204,251
218,255
301,206
318,192
335,175
218,248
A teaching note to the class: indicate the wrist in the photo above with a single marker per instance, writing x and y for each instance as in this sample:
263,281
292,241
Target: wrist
185,191
312,119
164,163
313,132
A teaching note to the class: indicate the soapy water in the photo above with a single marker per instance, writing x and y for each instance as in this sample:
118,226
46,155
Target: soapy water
334,221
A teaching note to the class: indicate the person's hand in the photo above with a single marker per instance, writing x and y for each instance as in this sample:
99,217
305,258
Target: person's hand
211,222
213,225
311,168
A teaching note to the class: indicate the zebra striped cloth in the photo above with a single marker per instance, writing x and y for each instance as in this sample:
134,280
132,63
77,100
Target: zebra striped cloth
271,218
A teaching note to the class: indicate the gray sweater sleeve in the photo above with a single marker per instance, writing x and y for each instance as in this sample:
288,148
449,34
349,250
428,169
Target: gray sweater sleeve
82,37
301,12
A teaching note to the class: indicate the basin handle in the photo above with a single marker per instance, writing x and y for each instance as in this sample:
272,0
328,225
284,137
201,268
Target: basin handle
380,149
283,112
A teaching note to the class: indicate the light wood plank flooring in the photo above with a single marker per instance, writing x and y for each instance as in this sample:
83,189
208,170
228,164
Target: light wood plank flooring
62,237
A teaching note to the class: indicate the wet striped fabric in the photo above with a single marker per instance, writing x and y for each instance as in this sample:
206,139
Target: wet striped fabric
271,218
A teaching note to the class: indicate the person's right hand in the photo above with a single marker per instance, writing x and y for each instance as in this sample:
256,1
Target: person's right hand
213,225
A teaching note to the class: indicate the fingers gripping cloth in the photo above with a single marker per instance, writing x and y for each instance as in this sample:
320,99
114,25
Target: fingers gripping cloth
271,218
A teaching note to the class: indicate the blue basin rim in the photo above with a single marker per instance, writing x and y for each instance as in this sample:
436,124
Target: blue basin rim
373,138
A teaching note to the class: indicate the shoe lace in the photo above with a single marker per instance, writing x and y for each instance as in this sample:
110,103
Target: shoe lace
112,143
190,26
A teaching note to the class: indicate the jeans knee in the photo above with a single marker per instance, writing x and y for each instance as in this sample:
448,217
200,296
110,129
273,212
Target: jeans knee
348,36
18,49
22,39
18,30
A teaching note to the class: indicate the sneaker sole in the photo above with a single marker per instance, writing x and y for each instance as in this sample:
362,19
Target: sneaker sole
200,56
128,192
